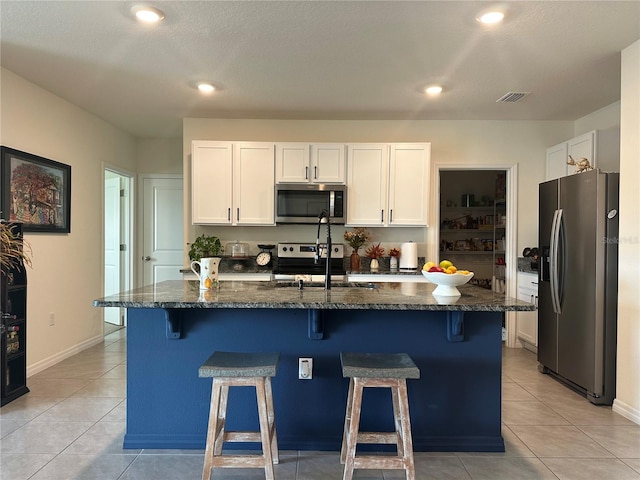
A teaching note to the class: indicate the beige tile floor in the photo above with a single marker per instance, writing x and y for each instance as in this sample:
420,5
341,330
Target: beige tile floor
70,427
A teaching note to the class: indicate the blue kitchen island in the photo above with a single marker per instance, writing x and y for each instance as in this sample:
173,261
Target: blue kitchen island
172,328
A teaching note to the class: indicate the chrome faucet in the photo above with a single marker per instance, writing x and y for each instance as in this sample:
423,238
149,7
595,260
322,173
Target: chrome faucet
327,275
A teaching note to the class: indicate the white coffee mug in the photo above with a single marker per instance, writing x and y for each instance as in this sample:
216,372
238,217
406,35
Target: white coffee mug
208,272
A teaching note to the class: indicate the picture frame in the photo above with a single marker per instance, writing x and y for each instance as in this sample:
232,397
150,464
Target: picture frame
35,191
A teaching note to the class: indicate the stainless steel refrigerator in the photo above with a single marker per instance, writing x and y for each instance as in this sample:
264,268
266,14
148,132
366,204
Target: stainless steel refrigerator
578,282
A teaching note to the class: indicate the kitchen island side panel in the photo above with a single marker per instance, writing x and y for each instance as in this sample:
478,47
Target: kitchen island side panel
455,405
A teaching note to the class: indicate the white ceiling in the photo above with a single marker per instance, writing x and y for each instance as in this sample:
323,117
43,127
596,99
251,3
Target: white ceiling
320,59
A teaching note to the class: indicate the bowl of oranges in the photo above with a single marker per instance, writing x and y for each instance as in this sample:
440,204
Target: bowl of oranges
446,276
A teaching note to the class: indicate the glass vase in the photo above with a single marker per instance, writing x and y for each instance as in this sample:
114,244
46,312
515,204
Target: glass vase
354,261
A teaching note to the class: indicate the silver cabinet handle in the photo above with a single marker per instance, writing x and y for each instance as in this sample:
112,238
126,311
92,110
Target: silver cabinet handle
238,214
147,258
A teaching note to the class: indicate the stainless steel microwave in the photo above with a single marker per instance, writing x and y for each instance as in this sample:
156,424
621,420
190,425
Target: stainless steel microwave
303,203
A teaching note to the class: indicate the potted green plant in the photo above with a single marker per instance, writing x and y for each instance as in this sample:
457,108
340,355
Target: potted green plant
205,247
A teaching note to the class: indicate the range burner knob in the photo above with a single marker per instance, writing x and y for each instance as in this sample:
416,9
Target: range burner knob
291,249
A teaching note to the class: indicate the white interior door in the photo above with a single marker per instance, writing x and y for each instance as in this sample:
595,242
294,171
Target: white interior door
112,243
162,249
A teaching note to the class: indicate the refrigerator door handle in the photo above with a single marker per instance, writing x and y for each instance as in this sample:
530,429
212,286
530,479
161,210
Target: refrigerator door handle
554,274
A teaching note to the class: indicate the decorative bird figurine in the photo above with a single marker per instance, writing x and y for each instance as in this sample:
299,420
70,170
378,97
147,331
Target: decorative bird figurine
581,165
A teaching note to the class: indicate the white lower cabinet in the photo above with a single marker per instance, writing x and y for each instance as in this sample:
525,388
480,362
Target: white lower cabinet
388,184
527,322
232,183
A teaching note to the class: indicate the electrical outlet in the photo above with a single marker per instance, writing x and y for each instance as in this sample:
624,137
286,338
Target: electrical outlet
305,368
52,318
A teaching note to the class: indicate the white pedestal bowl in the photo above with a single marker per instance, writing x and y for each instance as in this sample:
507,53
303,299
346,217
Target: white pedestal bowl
447,282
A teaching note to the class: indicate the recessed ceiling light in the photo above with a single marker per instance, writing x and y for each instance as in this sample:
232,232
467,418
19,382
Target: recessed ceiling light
490,17
206,87
433,90
147,14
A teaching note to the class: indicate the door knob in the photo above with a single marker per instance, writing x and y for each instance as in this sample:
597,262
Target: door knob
147,258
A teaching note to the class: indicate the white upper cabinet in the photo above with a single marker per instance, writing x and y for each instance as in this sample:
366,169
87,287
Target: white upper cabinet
387,185
367,180
253,184
310,163
600,147
409,184
232,183
557,161
211,182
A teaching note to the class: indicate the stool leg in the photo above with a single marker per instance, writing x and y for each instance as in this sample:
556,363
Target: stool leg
272,422
406,431
264,428
352,435
397,419
211,432
222,418
347,422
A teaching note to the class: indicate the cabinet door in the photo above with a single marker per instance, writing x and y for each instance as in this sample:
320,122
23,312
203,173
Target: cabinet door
292,163
527,322
367,178
408,184
327,164
583,146
253,184
211,182
557,161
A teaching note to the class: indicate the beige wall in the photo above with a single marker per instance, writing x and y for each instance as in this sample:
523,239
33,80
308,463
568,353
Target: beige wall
159,155
628,380
67,269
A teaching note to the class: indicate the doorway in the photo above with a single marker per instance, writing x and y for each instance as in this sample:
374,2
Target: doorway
507,237
118,240
161,237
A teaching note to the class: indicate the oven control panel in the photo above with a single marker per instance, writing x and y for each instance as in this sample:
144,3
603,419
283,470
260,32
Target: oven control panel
308,250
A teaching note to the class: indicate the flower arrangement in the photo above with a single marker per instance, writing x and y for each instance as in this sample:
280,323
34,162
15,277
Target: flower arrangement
394,252
357,237
375,251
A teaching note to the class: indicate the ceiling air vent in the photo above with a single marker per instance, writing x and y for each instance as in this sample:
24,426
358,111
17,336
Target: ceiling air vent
512,97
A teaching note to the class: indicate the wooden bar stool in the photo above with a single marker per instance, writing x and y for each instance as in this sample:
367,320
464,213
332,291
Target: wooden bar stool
231,369
382,371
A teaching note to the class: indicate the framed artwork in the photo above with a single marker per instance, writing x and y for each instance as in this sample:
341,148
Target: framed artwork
35,191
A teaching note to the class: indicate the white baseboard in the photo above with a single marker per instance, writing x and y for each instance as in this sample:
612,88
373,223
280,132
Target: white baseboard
58,357
627,411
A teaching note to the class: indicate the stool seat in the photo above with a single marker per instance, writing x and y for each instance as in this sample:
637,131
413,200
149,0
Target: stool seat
378,365
378,370
235,369
235,364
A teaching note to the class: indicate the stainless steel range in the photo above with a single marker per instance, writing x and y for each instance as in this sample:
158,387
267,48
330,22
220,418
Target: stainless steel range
297,260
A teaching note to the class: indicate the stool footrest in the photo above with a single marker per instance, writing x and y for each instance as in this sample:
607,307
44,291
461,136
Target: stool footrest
381,462
239,461
377,437
242,436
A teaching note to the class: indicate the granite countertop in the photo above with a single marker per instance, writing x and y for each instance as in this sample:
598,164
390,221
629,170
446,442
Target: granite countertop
383,296
525,264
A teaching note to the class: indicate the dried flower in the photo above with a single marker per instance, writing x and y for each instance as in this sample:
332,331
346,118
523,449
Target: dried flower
358,237
14,250
375,251
394,252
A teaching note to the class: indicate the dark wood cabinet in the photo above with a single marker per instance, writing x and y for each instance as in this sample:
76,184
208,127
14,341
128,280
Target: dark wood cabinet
13,330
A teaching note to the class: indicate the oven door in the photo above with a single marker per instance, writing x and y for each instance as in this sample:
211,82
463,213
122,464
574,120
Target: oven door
304,203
